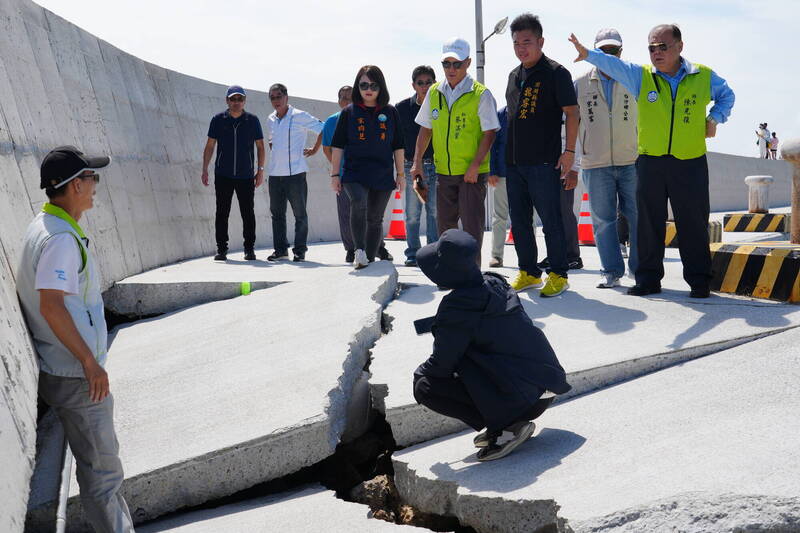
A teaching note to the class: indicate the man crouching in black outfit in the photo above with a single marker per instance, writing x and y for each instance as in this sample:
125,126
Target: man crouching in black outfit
490,367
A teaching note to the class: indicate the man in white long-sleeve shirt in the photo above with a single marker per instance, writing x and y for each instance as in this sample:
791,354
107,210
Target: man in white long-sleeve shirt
288,127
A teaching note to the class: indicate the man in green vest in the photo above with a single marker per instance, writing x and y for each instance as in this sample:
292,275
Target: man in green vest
672,96
460,115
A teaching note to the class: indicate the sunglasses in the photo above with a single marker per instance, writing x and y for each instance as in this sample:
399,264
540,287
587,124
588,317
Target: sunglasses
611,50
424,83
94,176
661,47
455,64
274,97
368,85
236,98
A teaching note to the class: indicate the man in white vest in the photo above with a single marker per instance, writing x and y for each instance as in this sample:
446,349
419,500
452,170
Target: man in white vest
608,158
59,288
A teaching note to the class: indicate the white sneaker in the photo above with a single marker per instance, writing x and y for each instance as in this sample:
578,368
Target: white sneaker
624,250
608,280
361,259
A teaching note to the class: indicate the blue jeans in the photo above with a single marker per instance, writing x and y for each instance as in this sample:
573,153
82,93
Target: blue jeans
606,186
294,190
536,187
413,209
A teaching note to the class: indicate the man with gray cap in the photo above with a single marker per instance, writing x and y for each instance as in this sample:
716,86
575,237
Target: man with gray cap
460,116
608,160
59,288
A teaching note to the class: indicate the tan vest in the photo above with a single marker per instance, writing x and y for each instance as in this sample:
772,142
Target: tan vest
606,140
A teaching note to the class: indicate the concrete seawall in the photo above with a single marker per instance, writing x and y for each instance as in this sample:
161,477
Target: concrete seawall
61,85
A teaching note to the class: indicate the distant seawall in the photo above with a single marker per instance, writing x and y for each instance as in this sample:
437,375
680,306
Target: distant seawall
61,85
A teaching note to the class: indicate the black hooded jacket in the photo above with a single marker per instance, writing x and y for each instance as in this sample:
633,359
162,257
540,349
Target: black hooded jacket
483,335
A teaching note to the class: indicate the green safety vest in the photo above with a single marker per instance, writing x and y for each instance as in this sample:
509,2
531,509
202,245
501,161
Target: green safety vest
678,127
457,132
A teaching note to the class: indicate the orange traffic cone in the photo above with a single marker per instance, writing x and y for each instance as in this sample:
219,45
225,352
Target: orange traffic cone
585,230
510,239
397,226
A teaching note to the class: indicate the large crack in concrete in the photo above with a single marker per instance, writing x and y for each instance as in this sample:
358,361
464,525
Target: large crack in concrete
228,470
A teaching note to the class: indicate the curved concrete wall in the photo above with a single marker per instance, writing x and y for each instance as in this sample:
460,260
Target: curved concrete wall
61,85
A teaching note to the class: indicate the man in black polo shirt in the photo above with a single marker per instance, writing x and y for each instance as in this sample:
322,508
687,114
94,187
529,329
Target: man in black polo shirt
421,80
235,130
539,91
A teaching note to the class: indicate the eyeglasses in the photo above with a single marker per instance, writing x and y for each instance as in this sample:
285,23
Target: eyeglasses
424,83
368,85
274,97
611,50
455,64
661,47
236,98
94,176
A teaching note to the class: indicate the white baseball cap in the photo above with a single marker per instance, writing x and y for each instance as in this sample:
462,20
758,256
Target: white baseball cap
455,47
607,37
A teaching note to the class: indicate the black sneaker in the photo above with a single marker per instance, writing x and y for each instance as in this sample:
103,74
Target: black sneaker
384,255
699,292
575,264
496,262
410,262
507,441
644,290
299,257
221,256
277,256
544,264
350,256
249,255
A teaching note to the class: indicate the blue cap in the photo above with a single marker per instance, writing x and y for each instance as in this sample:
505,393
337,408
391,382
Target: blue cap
235,89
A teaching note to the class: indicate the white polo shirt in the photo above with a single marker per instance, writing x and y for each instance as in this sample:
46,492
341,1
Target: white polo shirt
287,136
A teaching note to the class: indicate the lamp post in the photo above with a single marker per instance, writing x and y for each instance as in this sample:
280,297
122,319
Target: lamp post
499,28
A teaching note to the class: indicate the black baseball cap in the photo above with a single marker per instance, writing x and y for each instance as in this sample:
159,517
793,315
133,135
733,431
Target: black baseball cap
65,163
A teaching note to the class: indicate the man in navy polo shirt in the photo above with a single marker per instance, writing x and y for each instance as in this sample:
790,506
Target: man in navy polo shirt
235,131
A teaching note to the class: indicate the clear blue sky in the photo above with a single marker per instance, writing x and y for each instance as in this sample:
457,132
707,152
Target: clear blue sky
314,47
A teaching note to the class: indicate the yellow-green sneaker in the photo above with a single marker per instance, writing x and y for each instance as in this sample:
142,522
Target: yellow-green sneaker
555,285
526,281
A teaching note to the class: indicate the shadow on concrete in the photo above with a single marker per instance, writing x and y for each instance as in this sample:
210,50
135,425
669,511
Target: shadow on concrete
608,318
717,309
520,469
418,294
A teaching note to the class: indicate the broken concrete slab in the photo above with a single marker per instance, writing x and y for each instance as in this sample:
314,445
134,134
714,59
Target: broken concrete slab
311,508
721,426
601,336
693,512
253,388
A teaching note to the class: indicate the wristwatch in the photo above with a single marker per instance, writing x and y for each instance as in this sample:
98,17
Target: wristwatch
260,168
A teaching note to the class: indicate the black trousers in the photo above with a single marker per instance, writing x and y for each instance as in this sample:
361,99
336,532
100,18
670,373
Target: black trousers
366,216
245,194
449,397
685,183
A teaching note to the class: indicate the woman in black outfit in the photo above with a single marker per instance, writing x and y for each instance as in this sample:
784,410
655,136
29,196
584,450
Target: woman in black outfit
368,136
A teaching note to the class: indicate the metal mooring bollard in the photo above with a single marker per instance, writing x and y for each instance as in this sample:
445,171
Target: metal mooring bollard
758,193
791,153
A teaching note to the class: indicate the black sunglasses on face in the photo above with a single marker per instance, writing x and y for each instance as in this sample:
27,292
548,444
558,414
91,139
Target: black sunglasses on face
455,64
611,50
274,97
371,85
236,98
94,176
661,47
424,83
